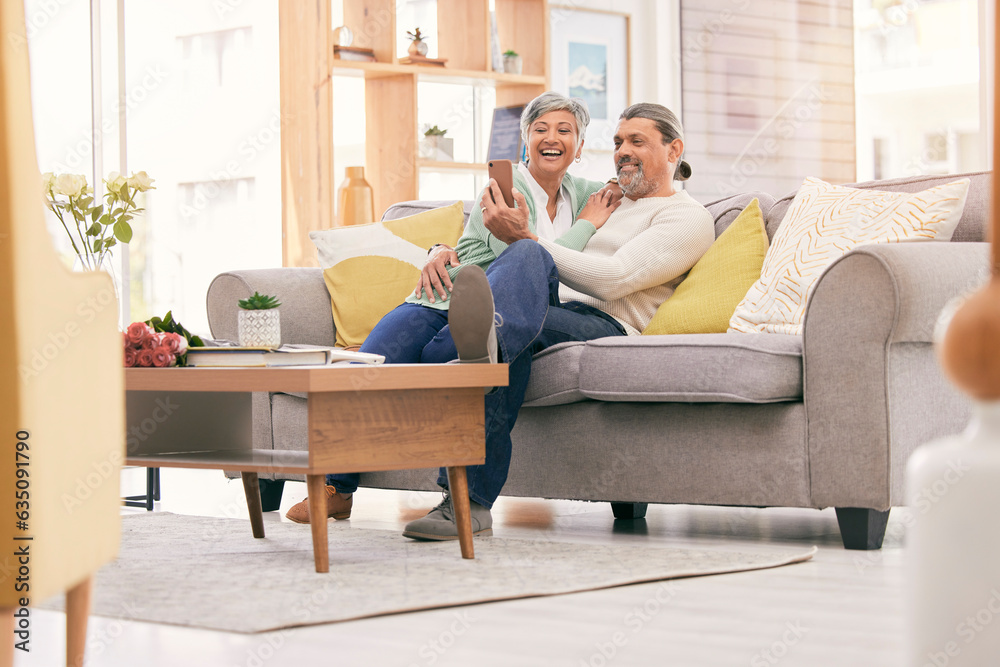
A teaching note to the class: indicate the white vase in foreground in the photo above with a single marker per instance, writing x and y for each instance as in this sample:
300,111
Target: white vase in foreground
953,547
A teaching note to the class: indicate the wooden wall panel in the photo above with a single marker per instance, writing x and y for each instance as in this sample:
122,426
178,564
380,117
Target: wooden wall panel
768,94
464,34
307,185
391,142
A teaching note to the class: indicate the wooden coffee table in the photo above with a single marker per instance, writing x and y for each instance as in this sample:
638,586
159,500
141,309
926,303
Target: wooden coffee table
360,419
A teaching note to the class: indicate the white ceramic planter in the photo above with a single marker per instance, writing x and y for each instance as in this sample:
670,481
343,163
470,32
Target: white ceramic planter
260,328
512,64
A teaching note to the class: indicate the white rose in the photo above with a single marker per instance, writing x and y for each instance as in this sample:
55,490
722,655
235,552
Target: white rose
48,180
141,181
71,185
115,181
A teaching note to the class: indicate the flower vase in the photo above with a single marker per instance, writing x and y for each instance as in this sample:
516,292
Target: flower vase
418,47
259,328
356,199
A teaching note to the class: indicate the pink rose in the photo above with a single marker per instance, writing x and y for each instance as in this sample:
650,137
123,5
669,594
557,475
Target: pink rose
145,357
137,332
162,357
175,343
125,341
152,341
131,357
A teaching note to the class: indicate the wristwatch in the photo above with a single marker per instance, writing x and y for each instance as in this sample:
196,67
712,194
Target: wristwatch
613,179
436,245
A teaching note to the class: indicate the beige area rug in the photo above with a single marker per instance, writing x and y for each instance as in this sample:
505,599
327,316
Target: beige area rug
211,573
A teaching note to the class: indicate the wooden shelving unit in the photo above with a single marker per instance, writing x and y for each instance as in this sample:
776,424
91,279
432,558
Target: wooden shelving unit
392,161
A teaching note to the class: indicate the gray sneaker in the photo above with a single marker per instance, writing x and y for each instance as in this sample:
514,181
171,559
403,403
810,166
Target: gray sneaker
439,523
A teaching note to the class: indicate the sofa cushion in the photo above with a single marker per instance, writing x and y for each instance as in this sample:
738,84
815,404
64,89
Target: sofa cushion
708,296
694,368
824,223
555,376
370,269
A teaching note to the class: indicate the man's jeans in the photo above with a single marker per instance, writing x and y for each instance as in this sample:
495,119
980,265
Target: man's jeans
530,318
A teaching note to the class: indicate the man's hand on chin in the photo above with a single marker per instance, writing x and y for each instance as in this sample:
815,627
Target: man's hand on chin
505,223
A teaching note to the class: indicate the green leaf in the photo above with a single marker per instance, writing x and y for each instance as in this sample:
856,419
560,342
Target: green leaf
94,230
123,231
85,202
97,245
124,191
109,242
96,213
105,219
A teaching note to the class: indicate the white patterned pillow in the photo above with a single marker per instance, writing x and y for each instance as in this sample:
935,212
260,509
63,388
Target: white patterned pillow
824,223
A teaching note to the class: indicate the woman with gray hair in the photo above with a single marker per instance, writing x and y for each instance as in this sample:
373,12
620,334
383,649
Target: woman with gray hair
552,129
561,207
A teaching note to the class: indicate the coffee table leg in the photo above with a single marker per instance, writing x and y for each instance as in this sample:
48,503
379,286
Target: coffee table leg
252,491
316,485
459,486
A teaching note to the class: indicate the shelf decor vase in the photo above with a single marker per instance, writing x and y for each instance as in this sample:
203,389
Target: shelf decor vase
259,328
356,199
418,47
512,64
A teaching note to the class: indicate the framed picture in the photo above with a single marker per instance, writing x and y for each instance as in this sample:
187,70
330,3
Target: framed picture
590,60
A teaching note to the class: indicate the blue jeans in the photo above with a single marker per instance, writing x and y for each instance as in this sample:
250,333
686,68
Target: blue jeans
525,285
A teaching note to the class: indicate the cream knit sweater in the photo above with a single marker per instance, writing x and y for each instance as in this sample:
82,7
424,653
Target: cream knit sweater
637,258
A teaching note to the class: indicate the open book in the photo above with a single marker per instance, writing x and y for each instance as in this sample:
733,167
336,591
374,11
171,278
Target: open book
286,355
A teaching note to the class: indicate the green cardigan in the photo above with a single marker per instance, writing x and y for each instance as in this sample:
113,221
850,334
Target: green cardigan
477,246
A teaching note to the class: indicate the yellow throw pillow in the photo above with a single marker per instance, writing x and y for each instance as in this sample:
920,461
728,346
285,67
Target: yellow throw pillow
370,269
826,222
707,297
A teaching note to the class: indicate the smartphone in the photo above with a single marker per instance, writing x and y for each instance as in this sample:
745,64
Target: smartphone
503,172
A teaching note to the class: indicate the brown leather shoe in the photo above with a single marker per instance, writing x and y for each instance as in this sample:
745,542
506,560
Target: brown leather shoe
337,506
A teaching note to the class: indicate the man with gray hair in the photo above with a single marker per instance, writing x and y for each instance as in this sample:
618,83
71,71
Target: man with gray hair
538,292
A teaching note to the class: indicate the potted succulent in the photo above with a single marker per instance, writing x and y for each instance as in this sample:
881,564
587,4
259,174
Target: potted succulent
511,62
418,47
259,324
436,146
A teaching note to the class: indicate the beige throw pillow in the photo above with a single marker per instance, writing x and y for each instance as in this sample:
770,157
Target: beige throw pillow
824,223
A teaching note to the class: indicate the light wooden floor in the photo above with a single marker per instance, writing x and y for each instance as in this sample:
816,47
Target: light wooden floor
842,608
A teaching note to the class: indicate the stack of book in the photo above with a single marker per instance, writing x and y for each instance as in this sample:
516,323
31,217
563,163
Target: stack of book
422,60
353,53
283,356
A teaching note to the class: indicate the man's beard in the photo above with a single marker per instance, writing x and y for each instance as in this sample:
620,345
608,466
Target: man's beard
638,185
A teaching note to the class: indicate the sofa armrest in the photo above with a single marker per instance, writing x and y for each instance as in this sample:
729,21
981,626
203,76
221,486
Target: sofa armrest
872,387
306,317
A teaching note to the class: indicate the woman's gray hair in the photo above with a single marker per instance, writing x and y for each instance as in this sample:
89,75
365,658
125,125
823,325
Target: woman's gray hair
550,101
667,124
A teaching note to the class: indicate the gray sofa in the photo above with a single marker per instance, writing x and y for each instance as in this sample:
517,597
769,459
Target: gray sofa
827,419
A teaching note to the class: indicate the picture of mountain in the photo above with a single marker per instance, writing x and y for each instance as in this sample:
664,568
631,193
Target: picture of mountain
588,68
